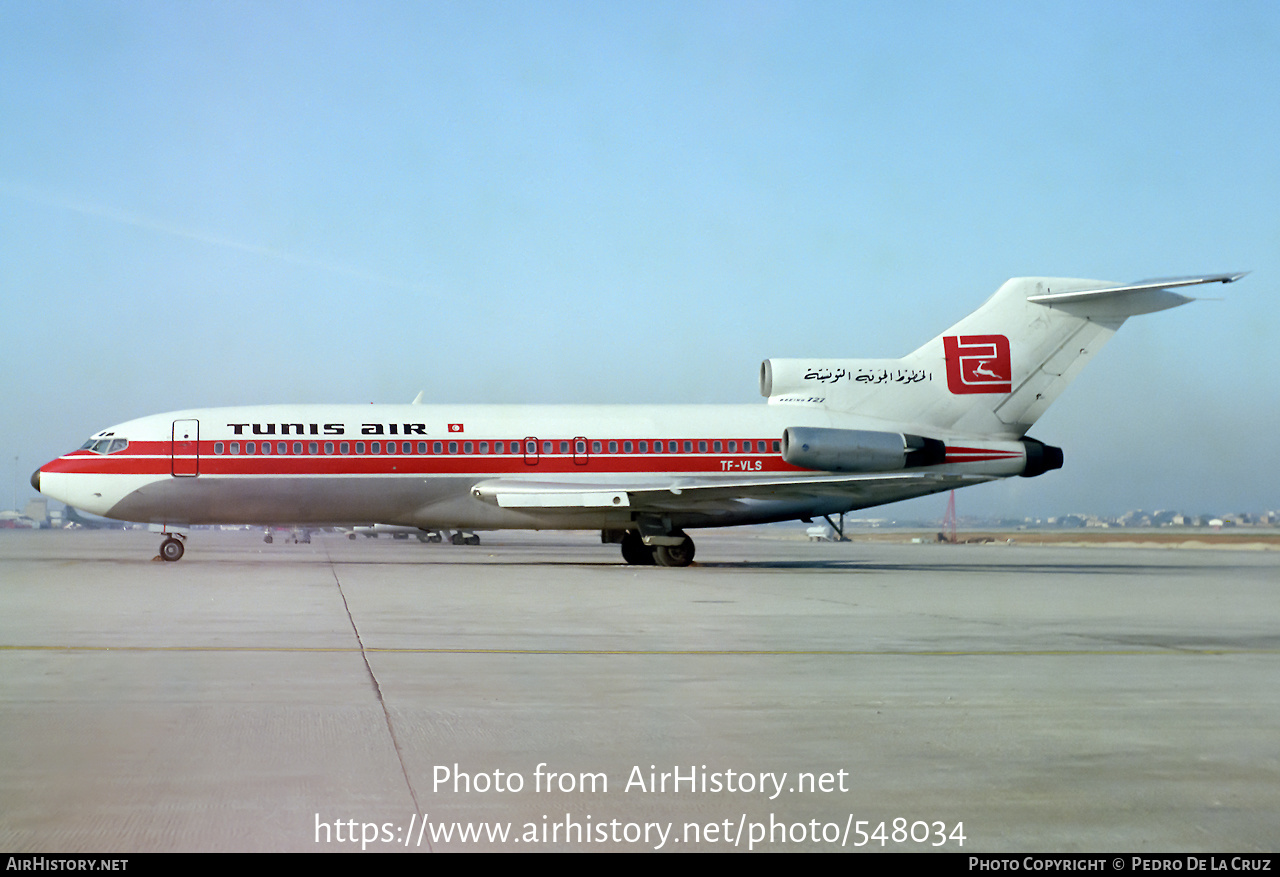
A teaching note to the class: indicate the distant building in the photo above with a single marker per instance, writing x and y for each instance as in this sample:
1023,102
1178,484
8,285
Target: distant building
38,510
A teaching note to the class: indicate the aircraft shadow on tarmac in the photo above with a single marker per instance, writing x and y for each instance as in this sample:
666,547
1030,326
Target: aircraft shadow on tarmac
1002,568
846,565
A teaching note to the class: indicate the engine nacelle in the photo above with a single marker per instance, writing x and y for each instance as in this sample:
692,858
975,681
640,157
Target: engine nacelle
1040,458
858,450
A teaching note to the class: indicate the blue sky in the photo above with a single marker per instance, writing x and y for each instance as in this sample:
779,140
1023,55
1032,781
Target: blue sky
217,203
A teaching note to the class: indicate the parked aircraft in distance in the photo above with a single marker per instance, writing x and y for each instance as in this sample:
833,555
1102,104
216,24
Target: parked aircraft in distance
422,534
836,435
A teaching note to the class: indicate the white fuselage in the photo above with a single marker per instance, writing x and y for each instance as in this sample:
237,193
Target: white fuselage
556,466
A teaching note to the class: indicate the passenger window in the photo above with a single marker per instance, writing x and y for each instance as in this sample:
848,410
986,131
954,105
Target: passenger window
777,446
498,448
297,447
453,447
250,447
391,447
644,447
657,447
217,447
733,447
484,447
564,447
328,447
688,447
466,447
437,447
375,447
626,447
613,447
546,447
595,447
344,448
235,447
266,447
702,447
359,447
422,447
715,446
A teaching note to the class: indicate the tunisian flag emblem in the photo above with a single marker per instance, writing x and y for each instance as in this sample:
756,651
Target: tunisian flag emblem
455,427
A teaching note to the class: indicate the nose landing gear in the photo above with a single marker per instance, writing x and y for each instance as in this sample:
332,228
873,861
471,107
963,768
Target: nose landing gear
172,548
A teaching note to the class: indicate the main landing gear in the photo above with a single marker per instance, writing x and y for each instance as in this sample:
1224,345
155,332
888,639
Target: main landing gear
677,549
172,548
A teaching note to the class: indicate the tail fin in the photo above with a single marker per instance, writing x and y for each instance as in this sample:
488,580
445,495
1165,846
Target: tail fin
994,372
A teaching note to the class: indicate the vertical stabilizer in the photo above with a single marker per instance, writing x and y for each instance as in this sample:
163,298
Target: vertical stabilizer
994,372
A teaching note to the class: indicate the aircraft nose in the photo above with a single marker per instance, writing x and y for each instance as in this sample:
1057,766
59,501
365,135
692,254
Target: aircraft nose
35,480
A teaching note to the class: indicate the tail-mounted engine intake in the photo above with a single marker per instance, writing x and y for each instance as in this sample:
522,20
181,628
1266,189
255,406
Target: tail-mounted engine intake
859,450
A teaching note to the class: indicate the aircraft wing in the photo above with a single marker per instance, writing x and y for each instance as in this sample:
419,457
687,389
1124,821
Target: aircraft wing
687,494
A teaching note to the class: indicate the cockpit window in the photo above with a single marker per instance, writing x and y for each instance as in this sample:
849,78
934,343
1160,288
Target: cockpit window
105,445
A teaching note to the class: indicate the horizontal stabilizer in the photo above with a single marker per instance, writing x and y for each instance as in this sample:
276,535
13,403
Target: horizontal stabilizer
1154,283
1131,299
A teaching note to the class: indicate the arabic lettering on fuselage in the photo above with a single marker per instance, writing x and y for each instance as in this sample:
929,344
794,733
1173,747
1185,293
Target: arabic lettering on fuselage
869,376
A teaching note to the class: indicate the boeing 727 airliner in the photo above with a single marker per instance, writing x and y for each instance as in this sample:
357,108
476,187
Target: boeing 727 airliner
836,435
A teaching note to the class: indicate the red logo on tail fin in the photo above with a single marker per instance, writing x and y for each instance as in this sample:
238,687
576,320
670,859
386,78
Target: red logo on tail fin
978,363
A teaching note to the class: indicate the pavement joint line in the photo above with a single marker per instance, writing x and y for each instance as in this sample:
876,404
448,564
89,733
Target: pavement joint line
905,653
377,688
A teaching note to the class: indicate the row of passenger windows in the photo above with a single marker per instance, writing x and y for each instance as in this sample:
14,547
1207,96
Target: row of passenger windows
528,447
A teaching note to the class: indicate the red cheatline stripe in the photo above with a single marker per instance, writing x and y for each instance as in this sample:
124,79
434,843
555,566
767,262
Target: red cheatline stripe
461,465
153,458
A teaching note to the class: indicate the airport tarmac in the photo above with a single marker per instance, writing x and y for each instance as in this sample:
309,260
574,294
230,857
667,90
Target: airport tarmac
290,697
